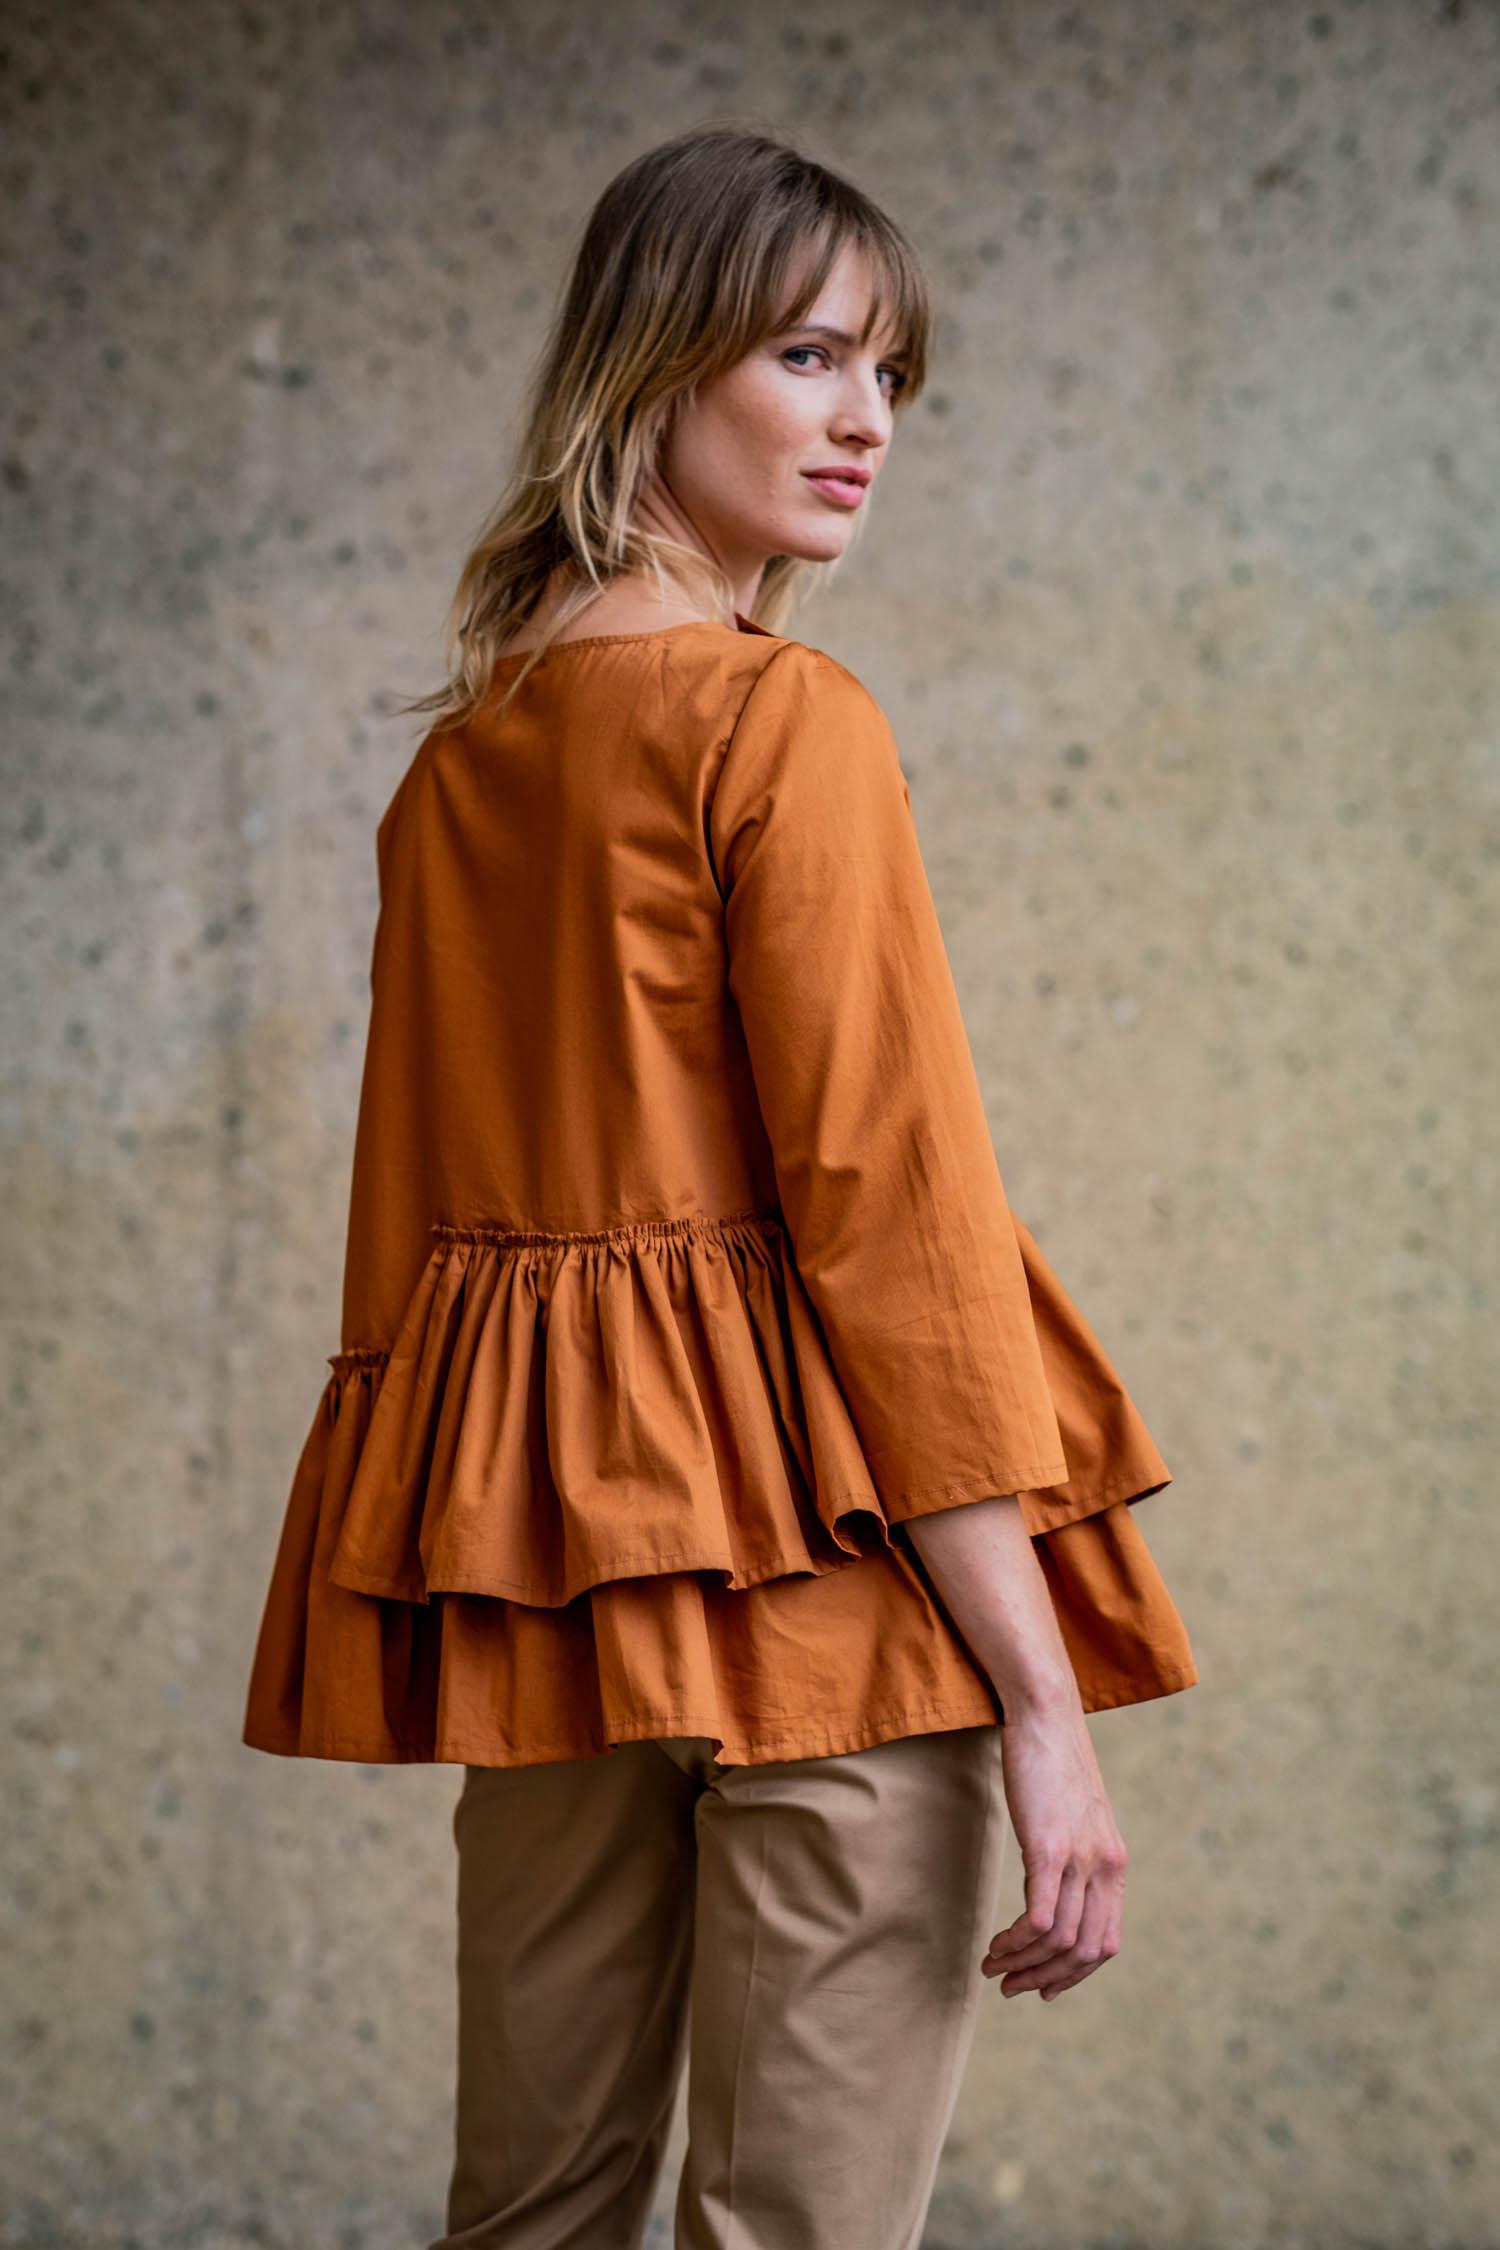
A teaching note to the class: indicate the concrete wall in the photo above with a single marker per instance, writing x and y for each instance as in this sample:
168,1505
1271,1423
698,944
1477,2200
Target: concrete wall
1183,594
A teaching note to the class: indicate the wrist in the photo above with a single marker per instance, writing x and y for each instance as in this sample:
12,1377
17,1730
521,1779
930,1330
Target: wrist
1039,1704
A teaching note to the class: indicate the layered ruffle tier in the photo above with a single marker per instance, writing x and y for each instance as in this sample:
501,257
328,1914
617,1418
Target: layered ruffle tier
606,1485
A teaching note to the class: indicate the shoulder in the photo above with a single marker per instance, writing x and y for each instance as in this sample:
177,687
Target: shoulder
809,752
790,683
749,701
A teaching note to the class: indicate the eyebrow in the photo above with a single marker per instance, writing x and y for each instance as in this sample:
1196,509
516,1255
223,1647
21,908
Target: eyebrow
835,335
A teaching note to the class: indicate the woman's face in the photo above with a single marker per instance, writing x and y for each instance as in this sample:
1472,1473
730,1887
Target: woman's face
737,476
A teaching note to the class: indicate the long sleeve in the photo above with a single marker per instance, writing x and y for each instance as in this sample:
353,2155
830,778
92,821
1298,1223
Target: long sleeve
886,1174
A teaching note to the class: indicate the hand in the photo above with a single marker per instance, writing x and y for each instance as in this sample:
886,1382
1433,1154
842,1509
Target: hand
1073,1854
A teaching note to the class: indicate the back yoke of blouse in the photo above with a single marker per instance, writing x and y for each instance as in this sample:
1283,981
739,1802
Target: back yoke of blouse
679,1273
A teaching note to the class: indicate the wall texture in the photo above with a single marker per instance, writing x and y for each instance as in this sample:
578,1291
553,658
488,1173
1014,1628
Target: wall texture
1183,594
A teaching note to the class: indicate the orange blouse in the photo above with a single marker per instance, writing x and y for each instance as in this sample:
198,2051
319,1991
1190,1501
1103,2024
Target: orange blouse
679,1271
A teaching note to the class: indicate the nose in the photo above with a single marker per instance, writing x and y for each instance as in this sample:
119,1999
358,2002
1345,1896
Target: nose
863,419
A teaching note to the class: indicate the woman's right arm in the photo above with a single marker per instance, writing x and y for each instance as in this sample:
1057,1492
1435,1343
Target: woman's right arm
981,1562
904,1240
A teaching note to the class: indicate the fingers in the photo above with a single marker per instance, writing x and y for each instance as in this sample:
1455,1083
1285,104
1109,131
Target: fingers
1032,1936
1046,1929
1085,1933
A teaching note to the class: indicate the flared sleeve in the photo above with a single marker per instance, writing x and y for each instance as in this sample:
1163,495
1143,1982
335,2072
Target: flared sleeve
886,1172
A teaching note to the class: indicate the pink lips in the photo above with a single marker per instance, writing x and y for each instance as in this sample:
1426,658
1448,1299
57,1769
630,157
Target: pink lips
848,491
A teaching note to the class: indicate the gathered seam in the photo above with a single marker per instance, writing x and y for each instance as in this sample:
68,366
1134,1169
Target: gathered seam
623,1230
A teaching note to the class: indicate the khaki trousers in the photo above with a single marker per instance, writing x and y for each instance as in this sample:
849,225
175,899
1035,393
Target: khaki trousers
806,1935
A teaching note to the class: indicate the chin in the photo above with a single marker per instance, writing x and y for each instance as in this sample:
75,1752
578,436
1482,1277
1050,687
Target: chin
808,548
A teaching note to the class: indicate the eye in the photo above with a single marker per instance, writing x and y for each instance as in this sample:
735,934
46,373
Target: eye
898,382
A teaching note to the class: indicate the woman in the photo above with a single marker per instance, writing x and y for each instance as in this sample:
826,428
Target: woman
713,1465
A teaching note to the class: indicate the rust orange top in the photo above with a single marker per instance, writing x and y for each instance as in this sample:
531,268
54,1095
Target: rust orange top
679,1271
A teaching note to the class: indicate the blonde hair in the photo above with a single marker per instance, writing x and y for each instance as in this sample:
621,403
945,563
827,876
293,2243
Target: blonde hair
685,265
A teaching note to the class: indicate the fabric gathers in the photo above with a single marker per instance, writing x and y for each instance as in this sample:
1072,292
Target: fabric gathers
679,1273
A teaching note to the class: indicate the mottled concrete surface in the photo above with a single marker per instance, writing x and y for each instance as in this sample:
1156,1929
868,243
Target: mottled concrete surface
1183,593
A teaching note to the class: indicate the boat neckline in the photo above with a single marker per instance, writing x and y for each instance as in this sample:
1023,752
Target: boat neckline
741,625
